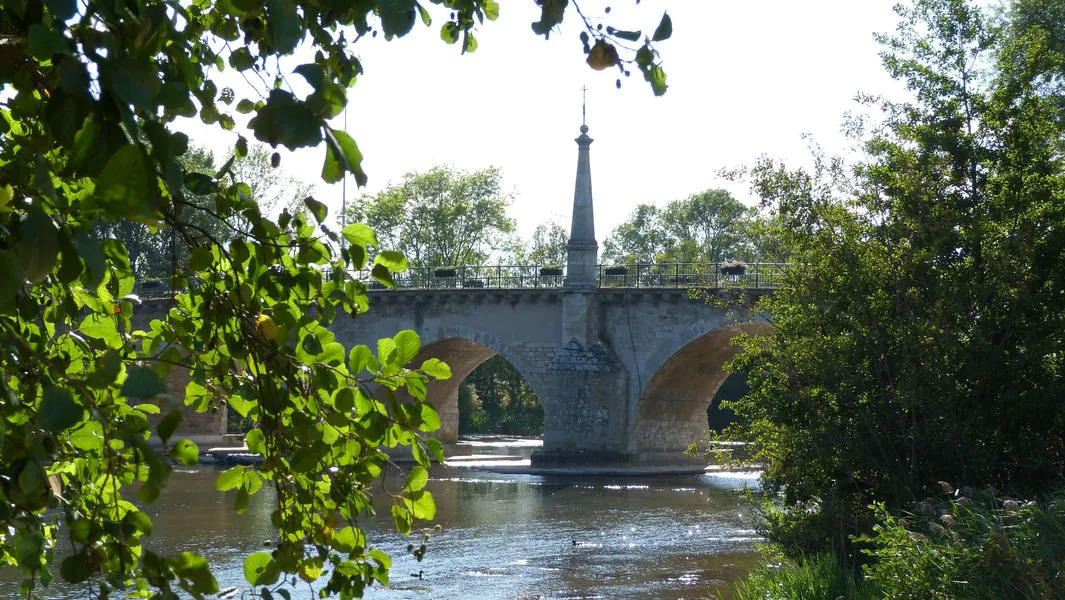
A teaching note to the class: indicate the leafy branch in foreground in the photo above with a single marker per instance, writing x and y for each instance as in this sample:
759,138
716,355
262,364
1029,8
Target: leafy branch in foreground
89,95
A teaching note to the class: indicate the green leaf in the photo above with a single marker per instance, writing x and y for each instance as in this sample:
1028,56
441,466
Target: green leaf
360,234
449,32
664,29
131,80
45,43
407,345
200,259
421,504
186,452
361,358
230,479
436,447
386,347
348,539
417,478
430,419
58,411
200,183
657,78
402,519
142,382
424,14
168,425
76,569
255,441
491,10
11,276
260,569
397,17
148,492
436,368
196,569
122,187
392,260
140,521
311,344
38,247
631,36
342,154
286,27
285,120
319,210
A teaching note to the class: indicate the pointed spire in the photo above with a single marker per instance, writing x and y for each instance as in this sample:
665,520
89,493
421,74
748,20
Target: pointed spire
582,249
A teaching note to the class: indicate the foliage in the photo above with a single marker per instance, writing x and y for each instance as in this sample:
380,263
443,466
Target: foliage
920,340
710,226
89,96
818,577
547,247
495,398
151,251
971,545
440,217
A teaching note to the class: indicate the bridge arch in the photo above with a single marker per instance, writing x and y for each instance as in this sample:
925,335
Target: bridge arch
671,411
464,350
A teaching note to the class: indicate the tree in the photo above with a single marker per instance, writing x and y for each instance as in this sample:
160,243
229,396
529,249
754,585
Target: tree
713,221
91,92
639,240
710,226
920,341
441,217
547,246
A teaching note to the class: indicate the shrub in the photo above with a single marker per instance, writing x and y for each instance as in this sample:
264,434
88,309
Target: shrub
973,545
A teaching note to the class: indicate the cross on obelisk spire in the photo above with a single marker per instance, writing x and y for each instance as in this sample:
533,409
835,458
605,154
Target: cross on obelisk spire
584,104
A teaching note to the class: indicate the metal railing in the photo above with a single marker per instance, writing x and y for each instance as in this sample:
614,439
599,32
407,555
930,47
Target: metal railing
646,275
691,275
754,276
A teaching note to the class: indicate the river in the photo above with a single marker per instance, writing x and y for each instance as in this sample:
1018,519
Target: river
503,535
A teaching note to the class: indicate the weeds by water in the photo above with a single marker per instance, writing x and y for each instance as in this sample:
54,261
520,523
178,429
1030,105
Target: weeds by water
814,578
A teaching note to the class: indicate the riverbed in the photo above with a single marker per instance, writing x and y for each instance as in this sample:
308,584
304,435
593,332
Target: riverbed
504,535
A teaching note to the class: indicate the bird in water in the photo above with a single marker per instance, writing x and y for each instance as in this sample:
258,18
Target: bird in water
418,575
576,543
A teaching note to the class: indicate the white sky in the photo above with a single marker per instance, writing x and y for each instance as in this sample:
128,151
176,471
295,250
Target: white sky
746,78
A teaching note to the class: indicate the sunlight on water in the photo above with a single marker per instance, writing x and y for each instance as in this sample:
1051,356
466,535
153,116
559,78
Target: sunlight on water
503,535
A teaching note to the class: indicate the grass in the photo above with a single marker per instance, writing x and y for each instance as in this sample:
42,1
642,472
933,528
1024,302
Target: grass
813,578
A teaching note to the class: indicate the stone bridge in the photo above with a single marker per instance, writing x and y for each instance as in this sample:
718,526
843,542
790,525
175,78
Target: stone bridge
624,374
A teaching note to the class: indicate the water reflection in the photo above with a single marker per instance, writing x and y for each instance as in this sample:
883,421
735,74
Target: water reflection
504,536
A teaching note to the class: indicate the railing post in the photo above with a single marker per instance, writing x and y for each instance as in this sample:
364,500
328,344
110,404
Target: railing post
676,274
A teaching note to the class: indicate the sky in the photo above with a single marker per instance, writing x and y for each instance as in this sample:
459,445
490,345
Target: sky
746,78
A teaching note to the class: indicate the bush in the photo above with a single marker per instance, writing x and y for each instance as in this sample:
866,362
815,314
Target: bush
973,545
814,578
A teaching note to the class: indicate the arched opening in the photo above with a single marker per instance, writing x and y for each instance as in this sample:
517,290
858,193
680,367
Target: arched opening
718,417
487,393
496,399
677,402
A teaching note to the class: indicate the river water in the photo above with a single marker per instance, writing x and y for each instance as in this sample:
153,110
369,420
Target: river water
503,535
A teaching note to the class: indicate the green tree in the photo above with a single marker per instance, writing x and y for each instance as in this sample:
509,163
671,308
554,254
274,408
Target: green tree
440,217
710,226
547,246
640,239
920,341
90,95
